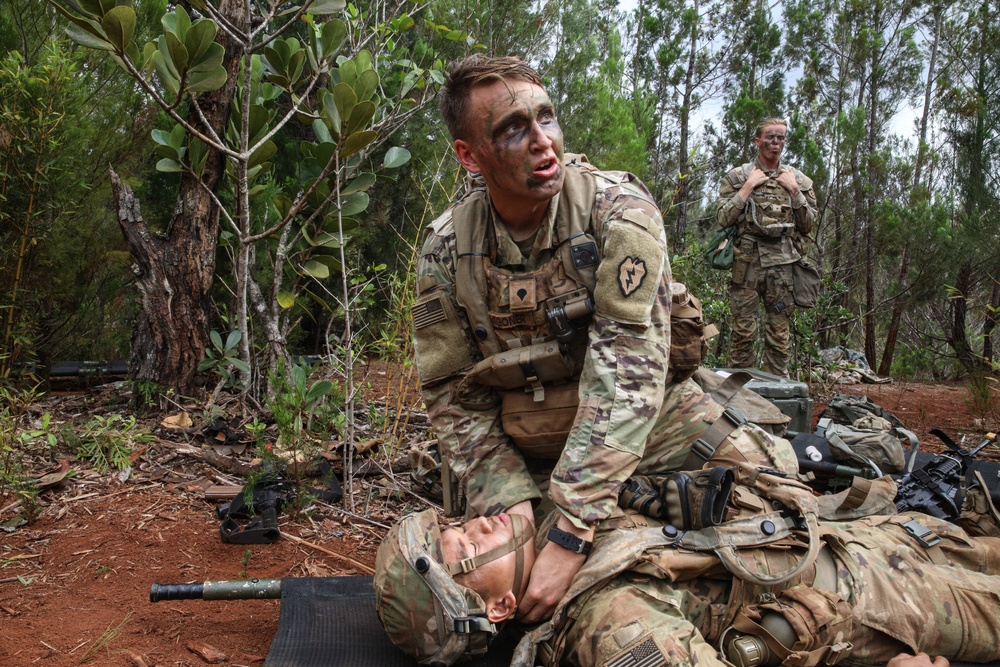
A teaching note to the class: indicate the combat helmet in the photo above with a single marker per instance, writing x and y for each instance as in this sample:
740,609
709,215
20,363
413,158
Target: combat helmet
425,612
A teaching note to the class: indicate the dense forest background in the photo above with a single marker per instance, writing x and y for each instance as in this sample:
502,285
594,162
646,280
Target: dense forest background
163,203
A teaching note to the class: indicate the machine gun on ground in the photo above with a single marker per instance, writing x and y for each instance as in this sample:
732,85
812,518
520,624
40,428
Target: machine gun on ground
939,487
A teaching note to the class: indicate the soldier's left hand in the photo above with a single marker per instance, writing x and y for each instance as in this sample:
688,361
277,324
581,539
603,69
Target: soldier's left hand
787,180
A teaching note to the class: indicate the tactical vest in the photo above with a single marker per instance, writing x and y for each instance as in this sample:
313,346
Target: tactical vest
768,211
532,332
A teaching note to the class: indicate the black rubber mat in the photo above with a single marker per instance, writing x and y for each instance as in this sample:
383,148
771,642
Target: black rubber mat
331,622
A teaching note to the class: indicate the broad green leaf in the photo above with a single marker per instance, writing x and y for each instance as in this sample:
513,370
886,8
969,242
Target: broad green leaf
316,270
396,157
328,240
197,154
331,112
87,39
132,52
282,204
216,339
404,22
437,76
119,24
357,142
95,7
361,116
161,137
204,82
345,98
286,299
178,52
360,183
327,6
366,85
256,190
259,118
177,22
333,37
354,203
177,136
321,131
169,81
363,61
456,35
262,154
348,71
319,389
169,166
199,38
240,364
167,151
164,48
234,337
211,59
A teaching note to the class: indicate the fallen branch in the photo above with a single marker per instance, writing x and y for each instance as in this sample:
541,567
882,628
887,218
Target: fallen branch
361,566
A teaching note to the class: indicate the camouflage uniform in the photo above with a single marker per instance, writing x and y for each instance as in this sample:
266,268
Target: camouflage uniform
762,267
899,595
630,417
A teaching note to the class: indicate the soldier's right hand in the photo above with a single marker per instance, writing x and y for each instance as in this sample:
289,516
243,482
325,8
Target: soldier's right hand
756,177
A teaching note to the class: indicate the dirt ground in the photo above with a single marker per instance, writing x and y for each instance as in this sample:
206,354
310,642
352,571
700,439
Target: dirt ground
74,584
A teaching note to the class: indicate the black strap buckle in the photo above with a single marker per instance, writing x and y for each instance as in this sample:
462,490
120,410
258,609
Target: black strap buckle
921,533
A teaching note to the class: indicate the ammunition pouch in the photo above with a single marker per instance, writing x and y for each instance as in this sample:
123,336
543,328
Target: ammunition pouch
688,334
540,428
803,626
530,367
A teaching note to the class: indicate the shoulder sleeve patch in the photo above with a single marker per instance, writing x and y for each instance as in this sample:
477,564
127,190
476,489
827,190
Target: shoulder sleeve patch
629,274
442,348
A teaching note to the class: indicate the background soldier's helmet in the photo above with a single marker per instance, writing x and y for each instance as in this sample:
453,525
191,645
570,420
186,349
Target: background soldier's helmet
425,612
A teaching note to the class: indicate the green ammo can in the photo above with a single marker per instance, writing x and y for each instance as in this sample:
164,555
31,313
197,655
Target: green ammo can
791,396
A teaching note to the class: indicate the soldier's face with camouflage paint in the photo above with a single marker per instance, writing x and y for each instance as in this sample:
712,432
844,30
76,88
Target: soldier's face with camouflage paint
515,142
770,142
493,581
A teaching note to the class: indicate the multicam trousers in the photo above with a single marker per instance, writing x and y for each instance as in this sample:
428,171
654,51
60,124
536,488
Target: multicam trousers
751,283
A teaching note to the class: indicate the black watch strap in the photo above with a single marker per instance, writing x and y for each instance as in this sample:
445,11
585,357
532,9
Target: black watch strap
569,541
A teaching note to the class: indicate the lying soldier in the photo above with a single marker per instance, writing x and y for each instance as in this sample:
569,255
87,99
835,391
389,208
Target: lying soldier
764,588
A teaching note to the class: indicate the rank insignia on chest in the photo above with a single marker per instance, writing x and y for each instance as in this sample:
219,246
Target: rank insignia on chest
522,295
631,273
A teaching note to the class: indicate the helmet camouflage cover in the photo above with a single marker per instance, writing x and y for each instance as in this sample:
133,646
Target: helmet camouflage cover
425,612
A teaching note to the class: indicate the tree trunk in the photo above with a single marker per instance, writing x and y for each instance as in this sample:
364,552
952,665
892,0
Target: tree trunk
175,270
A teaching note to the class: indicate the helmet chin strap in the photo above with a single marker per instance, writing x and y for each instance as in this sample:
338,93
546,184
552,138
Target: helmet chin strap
523,531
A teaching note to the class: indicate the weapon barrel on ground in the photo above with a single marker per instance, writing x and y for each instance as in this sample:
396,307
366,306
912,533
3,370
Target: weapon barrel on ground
243,589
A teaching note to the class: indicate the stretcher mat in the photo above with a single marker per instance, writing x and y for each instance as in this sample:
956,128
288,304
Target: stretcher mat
331,622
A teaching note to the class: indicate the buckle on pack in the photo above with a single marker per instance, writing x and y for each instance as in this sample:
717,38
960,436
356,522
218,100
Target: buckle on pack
465,625
702,449
734,417
921,533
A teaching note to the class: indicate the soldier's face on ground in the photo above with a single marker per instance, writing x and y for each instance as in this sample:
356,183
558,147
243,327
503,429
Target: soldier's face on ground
514,141
771,142
478,536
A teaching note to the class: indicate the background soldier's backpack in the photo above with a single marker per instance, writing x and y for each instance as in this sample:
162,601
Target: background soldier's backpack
859,431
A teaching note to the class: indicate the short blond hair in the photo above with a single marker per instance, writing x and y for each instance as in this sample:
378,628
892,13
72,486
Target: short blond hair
774,120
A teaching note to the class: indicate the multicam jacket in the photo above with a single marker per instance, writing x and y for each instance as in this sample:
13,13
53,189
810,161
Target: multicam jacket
623,378
768,207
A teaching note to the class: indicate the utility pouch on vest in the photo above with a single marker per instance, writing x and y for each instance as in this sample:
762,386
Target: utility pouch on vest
540,429
806,281
524,367
742,260
688,334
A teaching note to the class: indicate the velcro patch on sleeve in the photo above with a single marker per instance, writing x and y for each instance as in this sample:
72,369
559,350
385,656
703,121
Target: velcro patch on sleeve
442,348
628,277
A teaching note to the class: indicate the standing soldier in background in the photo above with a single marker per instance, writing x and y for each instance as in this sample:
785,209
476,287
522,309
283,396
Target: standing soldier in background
775,208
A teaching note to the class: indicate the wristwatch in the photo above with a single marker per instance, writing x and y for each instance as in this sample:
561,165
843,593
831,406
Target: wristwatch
569,541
